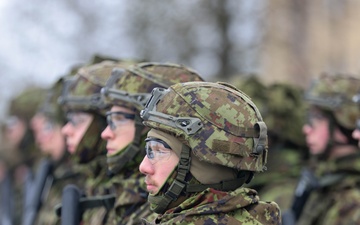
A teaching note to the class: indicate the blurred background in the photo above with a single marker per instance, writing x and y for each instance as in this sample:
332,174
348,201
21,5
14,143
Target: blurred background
288,41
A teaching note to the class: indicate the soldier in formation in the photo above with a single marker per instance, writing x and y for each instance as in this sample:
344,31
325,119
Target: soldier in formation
328,191
206,141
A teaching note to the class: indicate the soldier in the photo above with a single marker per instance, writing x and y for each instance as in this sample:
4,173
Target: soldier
328,193
127,92
86,120
21,154
206,141
356,132
286,143
47,124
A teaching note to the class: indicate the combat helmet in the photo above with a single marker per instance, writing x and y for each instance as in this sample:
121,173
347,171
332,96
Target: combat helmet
82,93
283,113
131,88
333,94
218,125
50,107
22,108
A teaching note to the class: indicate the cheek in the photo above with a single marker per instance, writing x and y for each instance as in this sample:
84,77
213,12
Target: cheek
125,135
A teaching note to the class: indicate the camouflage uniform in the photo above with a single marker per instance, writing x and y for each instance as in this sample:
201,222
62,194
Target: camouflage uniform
223,142
131,89
286,143
22,157
82,94
335,198
63,172
276,103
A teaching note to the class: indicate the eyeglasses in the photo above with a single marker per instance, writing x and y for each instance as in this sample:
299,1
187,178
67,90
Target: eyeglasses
157,150
48,126
115,119
77,118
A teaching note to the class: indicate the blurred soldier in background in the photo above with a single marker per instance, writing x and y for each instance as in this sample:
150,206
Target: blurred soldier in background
47,124
356,132
282,108
284,116
206,141
328,191
20,154
86,120
127,91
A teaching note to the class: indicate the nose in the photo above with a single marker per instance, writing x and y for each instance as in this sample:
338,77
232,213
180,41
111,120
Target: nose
66,129
107,134
356,134
146,167
306,129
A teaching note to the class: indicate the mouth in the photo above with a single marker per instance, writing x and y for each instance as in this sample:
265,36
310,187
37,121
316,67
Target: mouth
70,148
151,188
110,151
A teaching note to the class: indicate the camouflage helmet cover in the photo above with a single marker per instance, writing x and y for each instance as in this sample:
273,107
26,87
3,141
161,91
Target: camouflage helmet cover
83,90
335,94
26,104
284,111
50,107
219,123
131,88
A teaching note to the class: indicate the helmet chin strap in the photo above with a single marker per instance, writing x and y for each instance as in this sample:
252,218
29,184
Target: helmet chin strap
332,143
117,162
160,203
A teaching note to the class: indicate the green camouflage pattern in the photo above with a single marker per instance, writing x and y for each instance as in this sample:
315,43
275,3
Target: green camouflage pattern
335,94
227,116
130,196
284,113
337,202
83,92
278,183
128,183
50,107
97,184
91,145
142,78
241,206
64,174
26,104
254,88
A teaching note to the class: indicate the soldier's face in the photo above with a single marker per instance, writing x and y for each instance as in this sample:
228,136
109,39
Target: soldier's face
158,164
316,131
48,136
120,131
75,128
15,131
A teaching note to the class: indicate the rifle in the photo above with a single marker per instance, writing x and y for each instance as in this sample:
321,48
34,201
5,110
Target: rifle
70,202
6,217
74,204
307,183
40,188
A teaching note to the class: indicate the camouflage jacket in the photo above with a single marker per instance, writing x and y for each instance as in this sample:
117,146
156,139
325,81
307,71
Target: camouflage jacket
97,183
241,206
130,196
337,200
63,175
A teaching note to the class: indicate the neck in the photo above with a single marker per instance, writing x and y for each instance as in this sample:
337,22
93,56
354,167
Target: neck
339,151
